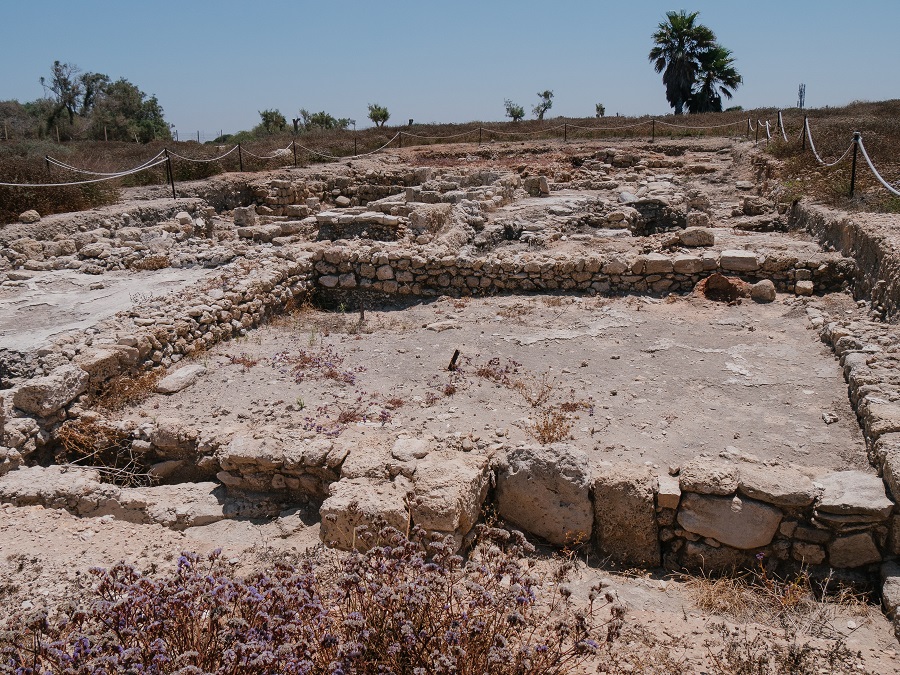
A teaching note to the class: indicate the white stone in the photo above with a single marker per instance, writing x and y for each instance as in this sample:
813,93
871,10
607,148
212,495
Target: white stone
180,379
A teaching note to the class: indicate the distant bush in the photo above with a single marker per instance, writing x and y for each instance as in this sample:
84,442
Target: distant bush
404,607
378,114
514,111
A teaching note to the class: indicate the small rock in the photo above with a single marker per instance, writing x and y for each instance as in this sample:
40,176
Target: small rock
180,379
763,291
829,418
803,288
30,216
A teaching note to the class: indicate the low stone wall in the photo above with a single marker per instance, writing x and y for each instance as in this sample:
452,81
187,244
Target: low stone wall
870,240
413,272
160,332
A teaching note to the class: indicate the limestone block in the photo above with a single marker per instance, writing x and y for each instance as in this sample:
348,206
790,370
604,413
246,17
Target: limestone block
854,550
173,439
779,485
702,556
804,288
625,527
359,504
808,554
100,365
738,261
247,454
450,488
737,522
687,264
854,493
763,291
245,215
657,263
890,591
10,459
709,477
882,418
669,494
180,379
43,396
545,491
365,462
693,237
406,449
890,469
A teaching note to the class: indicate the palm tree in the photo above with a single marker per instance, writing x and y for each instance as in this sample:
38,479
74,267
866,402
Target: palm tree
680,43
717,77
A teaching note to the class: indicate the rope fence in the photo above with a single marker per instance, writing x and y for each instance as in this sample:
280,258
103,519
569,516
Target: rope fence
165,156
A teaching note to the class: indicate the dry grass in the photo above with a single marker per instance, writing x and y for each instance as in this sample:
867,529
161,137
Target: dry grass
124,391
550,425
832,131
102,446
151,263
797,603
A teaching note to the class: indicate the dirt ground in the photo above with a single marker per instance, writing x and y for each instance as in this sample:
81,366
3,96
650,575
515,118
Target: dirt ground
644,380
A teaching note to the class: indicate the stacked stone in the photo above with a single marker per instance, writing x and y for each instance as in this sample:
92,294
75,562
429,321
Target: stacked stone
414,272
162,336
870,358
870,240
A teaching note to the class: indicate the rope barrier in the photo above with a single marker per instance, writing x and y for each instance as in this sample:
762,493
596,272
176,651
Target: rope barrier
626,126
86,182
440,138
812,146
881,180
202,161
275,153
524,133
684,126
69,167
364,154
781,126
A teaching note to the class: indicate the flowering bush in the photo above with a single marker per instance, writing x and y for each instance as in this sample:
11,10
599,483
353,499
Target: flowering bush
405,606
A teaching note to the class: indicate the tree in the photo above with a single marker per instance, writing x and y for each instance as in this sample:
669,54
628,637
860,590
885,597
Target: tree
544,105
125,113
378,114
680,43
272,120
93,85
321,120
67,89
513,110
599,110
717,78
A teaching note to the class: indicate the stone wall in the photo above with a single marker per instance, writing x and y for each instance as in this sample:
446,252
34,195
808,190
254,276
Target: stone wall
413,272
870,240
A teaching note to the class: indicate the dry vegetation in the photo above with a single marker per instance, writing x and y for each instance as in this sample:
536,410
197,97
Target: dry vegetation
23,161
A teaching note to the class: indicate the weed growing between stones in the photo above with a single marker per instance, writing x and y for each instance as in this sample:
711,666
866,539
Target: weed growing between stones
795,603
406,606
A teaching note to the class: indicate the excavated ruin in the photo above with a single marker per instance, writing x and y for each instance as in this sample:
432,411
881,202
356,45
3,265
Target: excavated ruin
653,356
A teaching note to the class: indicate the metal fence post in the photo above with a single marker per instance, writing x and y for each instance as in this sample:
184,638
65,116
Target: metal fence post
653,131
294,145
240,158
565,132
853,169
400,137
171,173
804,132
756,142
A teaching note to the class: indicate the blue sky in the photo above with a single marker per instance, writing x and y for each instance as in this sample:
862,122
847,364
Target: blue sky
213,65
